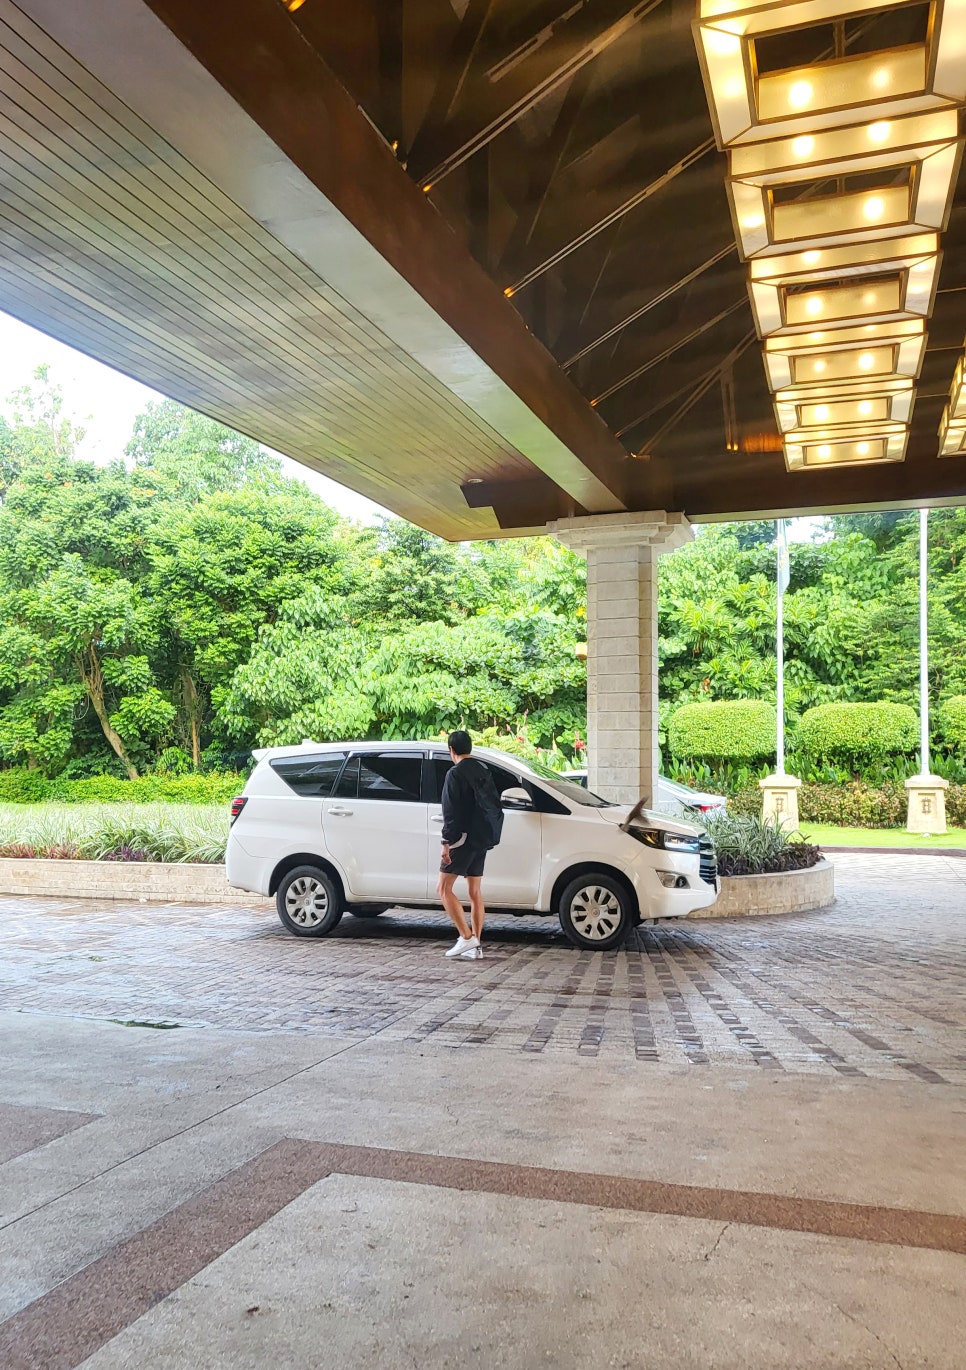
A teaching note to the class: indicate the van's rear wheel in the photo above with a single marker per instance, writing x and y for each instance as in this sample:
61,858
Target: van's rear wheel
596,911
309,902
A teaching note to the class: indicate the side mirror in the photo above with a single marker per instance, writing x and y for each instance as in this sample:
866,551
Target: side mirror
516,798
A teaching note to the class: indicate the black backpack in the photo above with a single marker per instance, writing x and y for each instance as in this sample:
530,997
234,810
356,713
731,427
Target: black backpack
489,811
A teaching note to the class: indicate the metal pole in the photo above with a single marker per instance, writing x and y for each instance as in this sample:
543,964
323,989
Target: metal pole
923,642
782,560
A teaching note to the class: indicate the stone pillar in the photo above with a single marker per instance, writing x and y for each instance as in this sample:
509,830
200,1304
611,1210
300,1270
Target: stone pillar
927,804
622,678
780,801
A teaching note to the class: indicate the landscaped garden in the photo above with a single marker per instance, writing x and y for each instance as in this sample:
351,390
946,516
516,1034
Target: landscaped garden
167,612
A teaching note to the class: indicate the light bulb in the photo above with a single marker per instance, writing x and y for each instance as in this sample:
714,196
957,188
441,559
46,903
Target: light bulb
825,450
814,305
802,146
815,337
862,448
818,367
799,94
753,221
821,412
881,77
865,407
869,298
866,361
879,131
811,257
874,207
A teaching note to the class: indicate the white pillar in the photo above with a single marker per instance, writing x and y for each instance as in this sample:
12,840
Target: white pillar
622,677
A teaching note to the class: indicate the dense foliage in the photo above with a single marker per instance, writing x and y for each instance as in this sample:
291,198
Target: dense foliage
858,733
164,613
726,730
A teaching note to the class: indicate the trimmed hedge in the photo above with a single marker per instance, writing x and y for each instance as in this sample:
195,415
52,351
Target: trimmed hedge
855,805
952,720
18,786
732,730
857,733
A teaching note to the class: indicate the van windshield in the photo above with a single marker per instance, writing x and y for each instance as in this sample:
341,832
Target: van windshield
567,788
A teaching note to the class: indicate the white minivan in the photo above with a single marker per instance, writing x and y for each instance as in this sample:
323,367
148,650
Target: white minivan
336,827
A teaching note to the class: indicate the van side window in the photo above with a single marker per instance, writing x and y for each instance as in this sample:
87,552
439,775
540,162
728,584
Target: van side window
383,775
313,776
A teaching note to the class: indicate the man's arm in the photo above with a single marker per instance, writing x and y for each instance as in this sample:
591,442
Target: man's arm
454,807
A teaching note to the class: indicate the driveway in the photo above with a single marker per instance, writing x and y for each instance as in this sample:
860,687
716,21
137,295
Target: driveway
727,1146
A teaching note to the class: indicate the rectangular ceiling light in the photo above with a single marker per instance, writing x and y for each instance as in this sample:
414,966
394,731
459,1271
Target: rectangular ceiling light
845,187
832,356
802,277
853,452
750,102
952,427
887,402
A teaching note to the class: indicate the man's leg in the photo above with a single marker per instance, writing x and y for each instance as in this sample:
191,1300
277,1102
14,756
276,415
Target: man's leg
444,888
477,911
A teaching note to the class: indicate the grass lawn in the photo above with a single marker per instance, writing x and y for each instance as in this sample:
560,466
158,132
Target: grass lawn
827,836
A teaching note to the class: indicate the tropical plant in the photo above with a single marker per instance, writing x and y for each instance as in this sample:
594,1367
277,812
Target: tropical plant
748,846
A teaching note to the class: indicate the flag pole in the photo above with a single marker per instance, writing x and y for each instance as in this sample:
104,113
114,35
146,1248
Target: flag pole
782,581
923,642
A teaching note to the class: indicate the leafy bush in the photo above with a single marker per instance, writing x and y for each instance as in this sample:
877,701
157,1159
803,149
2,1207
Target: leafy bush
747,846
20,786
952,720
858,733
854,805
212,788
736,730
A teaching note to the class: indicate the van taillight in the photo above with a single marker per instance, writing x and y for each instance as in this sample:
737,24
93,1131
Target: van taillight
237,805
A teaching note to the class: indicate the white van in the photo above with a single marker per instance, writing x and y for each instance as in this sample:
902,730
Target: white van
336,827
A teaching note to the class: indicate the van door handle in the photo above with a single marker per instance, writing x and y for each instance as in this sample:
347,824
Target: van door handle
436,818
341,813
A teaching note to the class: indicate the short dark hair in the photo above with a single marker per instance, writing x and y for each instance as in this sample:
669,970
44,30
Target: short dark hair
460,742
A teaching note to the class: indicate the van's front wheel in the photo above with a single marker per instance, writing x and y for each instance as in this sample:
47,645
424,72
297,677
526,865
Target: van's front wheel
309,902
596,911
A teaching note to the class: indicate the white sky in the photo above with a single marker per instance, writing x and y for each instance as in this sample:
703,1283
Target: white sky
105,404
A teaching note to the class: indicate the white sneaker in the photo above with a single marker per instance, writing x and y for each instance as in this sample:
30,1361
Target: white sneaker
475,954
464,944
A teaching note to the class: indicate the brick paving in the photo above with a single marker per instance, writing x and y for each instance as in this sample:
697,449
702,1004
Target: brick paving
875,986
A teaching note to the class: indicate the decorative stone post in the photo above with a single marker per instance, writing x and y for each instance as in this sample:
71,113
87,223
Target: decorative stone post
779,804
927,804
622,684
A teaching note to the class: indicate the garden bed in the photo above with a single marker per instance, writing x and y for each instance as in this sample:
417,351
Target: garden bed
153,881
746,896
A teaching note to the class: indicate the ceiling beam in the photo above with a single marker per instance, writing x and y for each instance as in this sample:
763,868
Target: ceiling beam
453,74
523,78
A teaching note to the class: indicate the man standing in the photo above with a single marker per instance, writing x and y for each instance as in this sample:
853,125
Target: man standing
472,824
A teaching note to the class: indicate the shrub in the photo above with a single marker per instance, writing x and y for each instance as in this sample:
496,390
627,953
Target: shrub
212,788
20,786
734,730
952,720
858,733
747,846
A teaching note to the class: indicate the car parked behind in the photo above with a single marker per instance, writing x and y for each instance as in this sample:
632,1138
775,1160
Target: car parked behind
329,828
672,796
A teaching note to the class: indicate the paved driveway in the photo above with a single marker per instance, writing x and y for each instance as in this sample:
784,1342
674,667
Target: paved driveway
872,987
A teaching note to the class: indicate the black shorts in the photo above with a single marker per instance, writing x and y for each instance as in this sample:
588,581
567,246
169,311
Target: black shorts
464,860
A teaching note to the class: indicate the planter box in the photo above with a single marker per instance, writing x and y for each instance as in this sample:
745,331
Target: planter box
166,882
744,896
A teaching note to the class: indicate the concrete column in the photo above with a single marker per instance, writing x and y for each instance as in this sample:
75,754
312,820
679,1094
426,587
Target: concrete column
622,676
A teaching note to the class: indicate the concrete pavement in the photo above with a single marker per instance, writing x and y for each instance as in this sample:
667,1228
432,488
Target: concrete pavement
256,1195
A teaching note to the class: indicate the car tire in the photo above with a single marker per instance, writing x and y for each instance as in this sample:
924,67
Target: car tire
309,902
596,911
367,910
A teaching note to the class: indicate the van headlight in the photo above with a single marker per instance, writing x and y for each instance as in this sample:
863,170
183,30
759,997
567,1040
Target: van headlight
664,840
